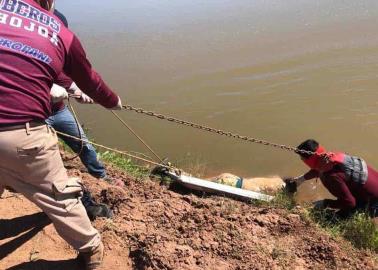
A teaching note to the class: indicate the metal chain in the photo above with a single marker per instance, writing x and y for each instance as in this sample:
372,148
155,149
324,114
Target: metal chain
217,131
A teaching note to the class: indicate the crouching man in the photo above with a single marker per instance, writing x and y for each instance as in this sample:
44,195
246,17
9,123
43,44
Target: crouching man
353,182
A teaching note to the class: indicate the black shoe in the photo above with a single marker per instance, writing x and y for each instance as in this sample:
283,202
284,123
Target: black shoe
99,210
95,210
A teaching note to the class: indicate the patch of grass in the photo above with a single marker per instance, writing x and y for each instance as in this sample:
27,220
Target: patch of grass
359,229
117,160
282,256
326,219
229,207
64,146
125,164
282,200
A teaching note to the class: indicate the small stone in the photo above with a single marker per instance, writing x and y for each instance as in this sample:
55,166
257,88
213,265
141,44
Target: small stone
294,217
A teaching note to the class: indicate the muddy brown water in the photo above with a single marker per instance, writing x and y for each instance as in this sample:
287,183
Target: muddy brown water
279,70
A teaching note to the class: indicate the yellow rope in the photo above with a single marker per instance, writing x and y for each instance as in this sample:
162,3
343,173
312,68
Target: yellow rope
138,137
114,150
78,129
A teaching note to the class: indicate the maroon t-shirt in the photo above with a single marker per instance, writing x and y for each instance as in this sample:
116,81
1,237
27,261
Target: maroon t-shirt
35,48
347,192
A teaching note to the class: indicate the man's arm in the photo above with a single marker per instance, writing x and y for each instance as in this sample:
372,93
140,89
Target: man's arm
80,70
71,87
64,81
307,176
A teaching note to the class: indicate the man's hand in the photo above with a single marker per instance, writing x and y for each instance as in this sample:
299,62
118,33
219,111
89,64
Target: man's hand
58,93
84,99
119,105
288,179
291,185
79,95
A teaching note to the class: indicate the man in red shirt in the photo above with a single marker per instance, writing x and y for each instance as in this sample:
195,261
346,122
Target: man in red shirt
62,120
34,49
348,178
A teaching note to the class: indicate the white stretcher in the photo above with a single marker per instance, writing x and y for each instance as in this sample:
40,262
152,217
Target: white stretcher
211,187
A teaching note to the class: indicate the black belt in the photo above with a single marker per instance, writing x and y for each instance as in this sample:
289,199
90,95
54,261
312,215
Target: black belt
10,127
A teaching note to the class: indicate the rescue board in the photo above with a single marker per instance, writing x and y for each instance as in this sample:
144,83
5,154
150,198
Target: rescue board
212,187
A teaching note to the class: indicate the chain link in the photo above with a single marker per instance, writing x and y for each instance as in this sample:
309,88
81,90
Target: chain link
217,131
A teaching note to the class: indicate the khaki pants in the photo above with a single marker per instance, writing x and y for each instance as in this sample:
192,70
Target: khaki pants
30,163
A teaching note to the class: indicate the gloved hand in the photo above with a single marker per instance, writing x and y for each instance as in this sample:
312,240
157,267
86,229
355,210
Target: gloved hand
288,179
84,99
79,95
119,105
291,185
58,93
320,205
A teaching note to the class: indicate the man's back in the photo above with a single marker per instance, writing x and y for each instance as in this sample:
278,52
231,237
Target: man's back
29,65
35,48
348,192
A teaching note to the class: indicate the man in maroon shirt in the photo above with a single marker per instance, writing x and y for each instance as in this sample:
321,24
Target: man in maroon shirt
348,178
34,49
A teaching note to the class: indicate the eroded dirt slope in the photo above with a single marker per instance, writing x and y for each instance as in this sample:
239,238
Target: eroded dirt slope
155,228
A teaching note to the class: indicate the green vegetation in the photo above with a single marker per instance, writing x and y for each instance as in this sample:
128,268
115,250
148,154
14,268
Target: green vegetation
283,200
362,232
65,147
359,229
117,160
125,164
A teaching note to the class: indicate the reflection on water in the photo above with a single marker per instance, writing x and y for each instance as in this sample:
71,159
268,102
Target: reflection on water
280,70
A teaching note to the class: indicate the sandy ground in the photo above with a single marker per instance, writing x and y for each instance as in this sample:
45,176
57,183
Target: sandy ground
157,228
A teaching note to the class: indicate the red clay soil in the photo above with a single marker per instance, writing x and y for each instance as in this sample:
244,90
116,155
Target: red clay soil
156,228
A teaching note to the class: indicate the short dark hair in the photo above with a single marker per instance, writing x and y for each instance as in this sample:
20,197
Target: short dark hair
61,17
308,145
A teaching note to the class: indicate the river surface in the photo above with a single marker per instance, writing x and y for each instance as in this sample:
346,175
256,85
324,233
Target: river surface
279,70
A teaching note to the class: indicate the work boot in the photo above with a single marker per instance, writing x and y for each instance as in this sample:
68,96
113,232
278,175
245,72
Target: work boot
92,259
95,210
98,210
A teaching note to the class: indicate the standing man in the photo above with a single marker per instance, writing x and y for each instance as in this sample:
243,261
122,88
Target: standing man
348,178
62,120
34,49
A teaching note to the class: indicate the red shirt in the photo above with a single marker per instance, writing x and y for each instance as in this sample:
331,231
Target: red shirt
35,48
348,193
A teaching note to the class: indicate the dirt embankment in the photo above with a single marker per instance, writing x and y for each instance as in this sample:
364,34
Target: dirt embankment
155,228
